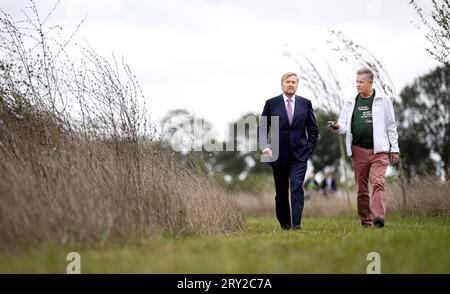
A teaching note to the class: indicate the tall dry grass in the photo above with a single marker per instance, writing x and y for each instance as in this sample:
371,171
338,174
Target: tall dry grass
78,159
82,191
315,205
426,196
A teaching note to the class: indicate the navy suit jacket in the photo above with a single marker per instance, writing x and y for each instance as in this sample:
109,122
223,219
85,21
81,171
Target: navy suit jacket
298,139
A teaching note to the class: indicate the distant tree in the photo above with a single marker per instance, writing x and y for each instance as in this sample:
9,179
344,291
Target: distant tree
249,148
424,116
185,133
241,156
437,22
236,157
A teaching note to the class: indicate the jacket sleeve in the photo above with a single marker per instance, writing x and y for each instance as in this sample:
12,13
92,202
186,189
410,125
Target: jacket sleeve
264,127
343,119
391,125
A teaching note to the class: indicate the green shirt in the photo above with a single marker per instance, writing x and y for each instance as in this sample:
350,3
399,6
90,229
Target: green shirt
362,125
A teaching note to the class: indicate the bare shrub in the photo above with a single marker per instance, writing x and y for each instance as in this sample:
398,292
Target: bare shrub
424,196
78,157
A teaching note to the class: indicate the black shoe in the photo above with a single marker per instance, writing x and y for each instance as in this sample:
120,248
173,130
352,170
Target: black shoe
378,222
297,227
287,227
366,225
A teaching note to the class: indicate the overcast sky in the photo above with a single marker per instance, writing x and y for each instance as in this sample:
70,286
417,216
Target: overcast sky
221,59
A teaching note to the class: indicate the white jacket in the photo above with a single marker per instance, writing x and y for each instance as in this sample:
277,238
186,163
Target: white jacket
384,126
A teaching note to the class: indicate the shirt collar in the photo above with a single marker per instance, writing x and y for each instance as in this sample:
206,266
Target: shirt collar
285,98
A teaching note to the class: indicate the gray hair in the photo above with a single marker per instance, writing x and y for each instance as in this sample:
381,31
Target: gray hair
287,75
366,71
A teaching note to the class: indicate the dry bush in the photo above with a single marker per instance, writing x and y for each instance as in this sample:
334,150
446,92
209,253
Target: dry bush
424,196
78,158
81,191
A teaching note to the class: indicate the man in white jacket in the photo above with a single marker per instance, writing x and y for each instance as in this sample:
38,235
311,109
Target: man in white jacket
368,123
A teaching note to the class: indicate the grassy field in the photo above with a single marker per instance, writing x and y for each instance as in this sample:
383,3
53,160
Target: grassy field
325,245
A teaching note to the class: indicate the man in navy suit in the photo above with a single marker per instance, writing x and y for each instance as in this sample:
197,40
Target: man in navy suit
297,136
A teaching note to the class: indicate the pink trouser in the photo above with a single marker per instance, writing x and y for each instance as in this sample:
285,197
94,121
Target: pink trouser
365,163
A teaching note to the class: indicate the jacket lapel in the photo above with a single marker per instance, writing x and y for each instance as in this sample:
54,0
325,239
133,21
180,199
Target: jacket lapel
282,108
297,108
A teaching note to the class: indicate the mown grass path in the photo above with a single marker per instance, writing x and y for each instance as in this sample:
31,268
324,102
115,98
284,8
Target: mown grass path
324,245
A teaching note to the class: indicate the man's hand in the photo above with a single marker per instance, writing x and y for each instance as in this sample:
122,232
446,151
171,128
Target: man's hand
267,152
333,125
393,157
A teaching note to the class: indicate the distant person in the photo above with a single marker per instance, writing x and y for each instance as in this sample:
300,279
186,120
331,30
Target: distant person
310,186
298,134
328,185
368,123
311,183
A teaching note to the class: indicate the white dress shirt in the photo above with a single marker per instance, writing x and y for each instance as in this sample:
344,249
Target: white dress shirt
292,103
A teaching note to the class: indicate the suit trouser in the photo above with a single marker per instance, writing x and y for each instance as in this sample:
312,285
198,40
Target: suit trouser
366,163
294,174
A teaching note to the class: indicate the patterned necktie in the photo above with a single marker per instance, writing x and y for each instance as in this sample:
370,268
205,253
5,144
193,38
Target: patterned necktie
289,111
